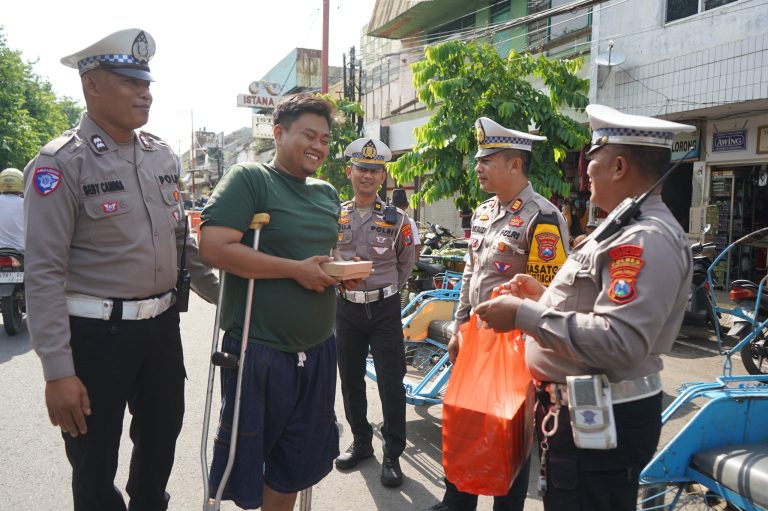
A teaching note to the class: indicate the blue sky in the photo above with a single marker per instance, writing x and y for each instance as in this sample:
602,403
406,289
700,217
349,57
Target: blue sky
207,53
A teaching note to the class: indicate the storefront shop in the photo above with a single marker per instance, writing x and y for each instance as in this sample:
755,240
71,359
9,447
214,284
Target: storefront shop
737,198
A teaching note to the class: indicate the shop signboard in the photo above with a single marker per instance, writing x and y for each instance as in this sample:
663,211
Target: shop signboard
686,143
263,95
735,140
262,126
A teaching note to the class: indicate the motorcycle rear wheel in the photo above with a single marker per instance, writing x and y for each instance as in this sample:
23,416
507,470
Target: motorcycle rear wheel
754,355
12,314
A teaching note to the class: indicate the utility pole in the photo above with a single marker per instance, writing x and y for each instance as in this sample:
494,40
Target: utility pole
324,57
193,153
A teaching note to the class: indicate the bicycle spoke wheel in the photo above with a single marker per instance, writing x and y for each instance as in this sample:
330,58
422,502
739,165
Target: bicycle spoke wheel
684,496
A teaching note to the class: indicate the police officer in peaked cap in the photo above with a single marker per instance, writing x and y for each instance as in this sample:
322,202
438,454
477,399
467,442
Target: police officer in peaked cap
104,218
595,336
372,230
501,237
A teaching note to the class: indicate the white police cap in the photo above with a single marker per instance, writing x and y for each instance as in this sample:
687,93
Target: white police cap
492,137
369,153
609,126
126,52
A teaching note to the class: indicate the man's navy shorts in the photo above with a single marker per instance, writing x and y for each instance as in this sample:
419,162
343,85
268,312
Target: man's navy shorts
288,435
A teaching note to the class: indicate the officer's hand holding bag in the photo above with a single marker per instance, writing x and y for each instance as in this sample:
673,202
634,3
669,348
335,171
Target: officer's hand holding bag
487,411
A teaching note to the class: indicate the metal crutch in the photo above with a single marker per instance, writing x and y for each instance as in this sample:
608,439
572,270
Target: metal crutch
227,361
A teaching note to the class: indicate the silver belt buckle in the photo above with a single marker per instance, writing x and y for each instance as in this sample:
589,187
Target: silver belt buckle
633,390
148,308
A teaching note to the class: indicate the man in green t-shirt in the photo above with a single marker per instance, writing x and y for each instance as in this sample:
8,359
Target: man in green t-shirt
288,436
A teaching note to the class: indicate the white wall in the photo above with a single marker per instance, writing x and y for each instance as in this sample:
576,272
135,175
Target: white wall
714,57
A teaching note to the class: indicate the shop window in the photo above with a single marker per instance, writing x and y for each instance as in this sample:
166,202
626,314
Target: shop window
678,9
449,29
562,35
501,12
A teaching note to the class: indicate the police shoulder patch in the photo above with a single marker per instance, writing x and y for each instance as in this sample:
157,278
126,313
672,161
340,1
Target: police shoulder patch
407,234
624,268
46,180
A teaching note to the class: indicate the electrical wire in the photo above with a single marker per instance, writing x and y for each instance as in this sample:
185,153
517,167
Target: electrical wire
669,100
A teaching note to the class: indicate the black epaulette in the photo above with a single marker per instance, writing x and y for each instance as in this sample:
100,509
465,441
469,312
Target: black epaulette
150,141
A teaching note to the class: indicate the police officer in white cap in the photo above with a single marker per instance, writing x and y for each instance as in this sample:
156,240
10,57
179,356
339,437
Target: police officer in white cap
597,333
103,223
369,316
502,234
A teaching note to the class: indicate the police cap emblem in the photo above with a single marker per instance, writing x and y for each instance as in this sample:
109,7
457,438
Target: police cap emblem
369,150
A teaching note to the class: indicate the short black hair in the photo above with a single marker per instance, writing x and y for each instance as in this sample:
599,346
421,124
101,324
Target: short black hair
653,161
293,107
525,156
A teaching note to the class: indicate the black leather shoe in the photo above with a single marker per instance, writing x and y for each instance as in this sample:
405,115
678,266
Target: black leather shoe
355,453
391,475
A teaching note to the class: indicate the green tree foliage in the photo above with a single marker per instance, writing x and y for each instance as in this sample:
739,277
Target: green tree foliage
30,112
464,81
343,132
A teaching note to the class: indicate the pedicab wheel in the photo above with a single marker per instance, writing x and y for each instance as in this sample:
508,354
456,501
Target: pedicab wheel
12,314
754,355
684,496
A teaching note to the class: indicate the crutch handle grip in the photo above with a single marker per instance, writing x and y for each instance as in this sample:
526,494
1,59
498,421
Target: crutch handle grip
224,360
259,220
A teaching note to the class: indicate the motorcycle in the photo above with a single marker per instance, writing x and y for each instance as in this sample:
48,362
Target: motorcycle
439,238
441,251
745,294
698,310
12,301
750,312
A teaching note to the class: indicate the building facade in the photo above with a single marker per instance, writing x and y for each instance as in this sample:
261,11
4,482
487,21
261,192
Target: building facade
400,30
701,62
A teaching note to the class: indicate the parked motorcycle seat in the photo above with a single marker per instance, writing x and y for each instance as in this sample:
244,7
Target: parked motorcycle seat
429,269
742,468
743,283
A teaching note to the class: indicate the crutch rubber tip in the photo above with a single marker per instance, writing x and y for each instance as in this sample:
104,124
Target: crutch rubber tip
224,360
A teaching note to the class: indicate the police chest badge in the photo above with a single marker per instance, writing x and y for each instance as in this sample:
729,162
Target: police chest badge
46,180
516,221
625,267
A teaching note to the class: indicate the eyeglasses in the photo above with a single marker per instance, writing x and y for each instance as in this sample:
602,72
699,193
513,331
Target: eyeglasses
372,172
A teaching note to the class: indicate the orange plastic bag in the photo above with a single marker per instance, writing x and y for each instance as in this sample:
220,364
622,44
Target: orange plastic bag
487,411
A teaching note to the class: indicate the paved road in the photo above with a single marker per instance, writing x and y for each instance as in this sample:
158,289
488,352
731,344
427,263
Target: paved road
35,475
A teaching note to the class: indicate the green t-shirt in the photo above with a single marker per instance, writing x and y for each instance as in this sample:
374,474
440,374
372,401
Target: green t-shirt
303,223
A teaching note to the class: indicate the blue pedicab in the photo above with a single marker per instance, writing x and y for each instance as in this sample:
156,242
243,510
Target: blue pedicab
426,322
719,459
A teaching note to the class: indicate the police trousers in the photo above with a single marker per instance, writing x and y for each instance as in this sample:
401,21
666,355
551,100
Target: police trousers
595,479
377,325
138,363
514,500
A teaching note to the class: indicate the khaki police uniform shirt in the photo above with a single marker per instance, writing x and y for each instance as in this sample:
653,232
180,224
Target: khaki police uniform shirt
96,224
615,306
390,247
499,245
